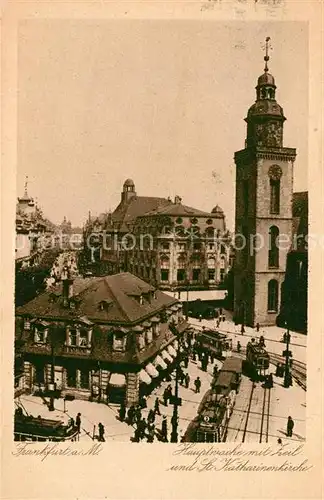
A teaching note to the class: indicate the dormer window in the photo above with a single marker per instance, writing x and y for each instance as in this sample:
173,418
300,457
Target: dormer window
73,334
119,341
141,300
104,305
27,324
41,332
83,337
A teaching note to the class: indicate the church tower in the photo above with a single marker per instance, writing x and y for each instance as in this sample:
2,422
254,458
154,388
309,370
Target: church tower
263,212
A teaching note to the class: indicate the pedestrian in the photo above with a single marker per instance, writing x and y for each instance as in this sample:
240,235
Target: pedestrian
200,318
142,428
151,416
290,426
257,327
150,433
187,380
138,413
165,396
101,432
78,422
143,402
215,371
164,429
186,362
238,346
131,414
242,330
157,407
197,383
270,381
122,412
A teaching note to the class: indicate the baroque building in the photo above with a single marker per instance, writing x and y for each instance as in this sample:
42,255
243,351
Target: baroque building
264,198
33,232
101,338
164,242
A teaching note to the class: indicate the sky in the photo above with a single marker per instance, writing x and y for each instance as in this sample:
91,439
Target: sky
161,102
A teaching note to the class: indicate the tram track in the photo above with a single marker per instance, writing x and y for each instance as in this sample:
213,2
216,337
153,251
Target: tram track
265,417
248,413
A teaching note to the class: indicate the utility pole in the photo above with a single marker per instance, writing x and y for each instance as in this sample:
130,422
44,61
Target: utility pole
187,299
176,401
51,403
287,355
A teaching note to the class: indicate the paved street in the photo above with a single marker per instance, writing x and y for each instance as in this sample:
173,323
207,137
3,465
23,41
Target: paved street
283,402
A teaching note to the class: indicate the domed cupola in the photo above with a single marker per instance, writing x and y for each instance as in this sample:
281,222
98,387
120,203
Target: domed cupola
217,210
265,117
128,190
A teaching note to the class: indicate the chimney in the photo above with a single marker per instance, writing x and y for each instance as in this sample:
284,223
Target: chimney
177,200
67,286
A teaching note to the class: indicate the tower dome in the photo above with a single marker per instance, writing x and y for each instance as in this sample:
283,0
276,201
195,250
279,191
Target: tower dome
129,183
266,79
128,190
217,210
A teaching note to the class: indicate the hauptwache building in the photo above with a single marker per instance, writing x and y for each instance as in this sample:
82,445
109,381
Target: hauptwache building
100,338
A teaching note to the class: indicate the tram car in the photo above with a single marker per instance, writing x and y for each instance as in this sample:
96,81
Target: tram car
214,342
216,407
233,366
29,428
257,359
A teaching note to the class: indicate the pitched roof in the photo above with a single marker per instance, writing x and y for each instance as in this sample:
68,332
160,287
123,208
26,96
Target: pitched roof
120,291
178,209
127,212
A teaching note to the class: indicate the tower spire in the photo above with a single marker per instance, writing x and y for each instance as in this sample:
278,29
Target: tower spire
266,57
26,184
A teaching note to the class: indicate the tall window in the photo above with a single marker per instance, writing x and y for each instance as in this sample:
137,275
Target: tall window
71,377
245,197
273,260
84,379
274,196
195,274
273,296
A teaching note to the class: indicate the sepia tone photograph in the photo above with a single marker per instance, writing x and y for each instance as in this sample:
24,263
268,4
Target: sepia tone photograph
161,256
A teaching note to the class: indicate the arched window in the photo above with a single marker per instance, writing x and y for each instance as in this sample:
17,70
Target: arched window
210,232
273,259
273,296
274,196
165,262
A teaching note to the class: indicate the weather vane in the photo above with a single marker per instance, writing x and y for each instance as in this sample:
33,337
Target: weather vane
26,184
266,47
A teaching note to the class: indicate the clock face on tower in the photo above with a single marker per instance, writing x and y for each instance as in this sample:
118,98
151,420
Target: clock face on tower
275,172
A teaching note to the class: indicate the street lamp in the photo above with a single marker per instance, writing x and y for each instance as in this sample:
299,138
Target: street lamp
287,355
176,400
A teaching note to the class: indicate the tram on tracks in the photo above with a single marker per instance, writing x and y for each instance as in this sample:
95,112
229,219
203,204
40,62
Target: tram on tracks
29,428
216,407
214,342
257,359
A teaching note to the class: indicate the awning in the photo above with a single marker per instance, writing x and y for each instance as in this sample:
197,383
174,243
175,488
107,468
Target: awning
144,377
117,379
137,329
166,356
160,363
171,351
146,324
151,370
175,345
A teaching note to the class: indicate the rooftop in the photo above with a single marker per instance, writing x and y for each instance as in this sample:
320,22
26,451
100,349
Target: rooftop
109,299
